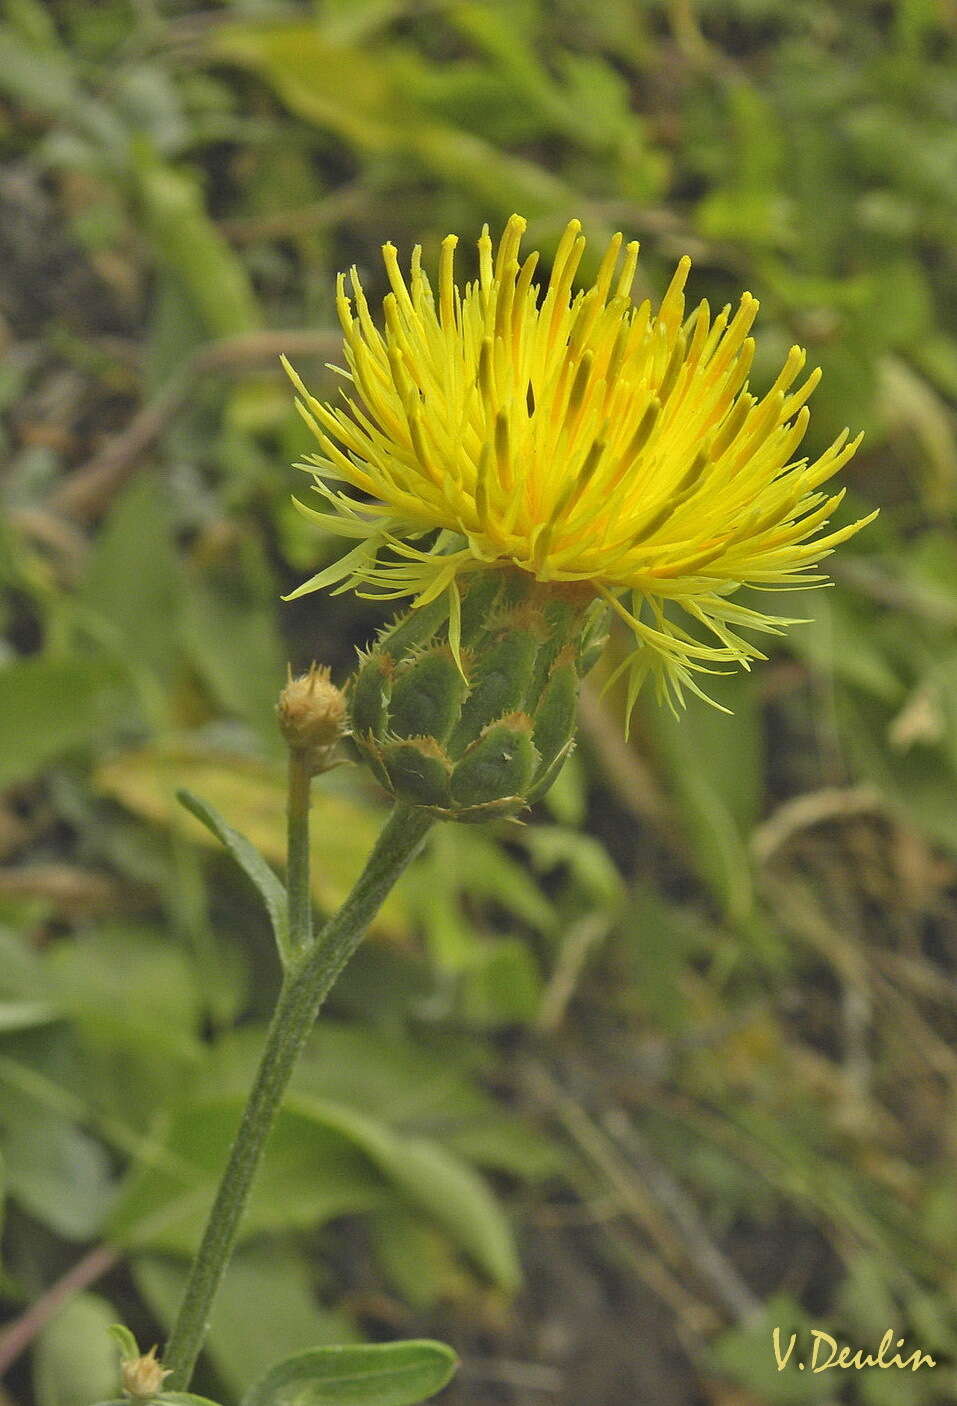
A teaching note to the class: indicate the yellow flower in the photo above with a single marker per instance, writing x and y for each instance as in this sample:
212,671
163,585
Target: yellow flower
577,436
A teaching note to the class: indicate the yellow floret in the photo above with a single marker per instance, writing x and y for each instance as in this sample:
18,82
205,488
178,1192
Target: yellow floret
576,436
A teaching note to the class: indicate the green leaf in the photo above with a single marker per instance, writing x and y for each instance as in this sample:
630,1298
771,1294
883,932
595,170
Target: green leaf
75,1361
919,781
182,1398
270,889
254,793
230,627
310,1174
171,1398
175,331
125,1341
716,767
565,800
460,1201
462,862
297,1186
49,707
661,942
30,19
504,1143
409,1086
266,1309
189,244
491,873
40,77
419,1262
335,86
21,1015
500,983
391,1078
446,1188
842,642
588,862
22,976
131,593
361,96
58,1174
374,1374
745,1354
130,990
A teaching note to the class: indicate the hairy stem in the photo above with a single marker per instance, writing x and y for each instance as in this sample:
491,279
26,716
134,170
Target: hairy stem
307,982
297,854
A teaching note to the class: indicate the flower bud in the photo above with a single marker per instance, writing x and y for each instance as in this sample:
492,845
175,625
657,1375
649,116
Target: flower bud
143,1377
312,717
480,727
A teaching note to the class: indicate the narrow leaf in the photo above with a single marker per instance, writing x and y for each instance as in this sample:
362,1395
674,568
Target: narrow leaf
169,1398
125,1341
431,1176
271,890
183,1398
21,1015
373,1374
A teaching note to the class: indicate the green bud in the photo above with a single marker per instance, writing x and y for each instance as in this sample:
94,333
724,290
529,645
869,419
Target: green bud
490,742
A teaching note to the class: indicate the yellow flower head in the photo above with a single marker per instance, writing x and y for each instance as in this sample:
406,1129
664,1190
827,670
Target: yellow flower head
577,436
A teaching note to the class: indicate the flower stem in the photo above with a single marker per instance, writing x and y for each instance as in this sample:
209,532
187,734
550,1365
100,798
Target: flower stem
297,854
308,980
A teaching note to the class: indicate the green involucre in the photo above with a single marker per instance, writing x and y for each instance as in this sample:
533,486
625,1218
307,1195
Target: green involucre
488,738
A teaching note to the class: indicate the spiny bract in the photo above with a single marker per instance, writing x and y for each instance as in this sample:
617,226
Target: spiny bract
483,735
579,437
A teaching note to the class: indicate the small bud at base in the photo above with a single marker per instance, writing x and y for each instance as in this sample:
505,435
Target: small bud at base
312,717
143,1377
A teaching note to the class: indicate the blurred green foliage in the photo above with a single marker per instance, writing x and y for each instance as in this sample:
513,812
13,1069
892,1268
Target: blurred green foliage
685,1038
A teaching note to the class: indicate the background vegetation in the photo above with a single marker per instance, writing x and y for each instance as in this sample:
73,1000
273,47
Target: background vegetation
607,1095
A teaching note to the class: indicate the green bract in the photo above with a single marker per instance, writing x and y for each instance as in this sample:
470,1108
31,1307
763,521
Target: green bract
477,728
